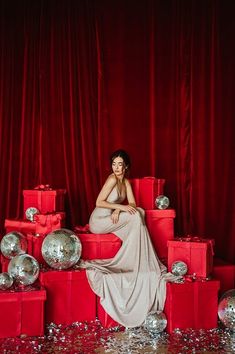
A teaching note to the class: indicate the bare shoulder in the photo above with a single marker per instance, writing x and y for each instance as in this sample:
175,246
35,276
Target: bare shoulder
111,180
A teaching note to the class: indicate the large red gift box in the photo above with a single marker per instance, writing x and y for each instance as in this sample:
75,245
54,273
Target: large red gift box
43,224
22,313
104,318
192,305
225,273
46,201
196,252
69,296
99,246
146,190
160,224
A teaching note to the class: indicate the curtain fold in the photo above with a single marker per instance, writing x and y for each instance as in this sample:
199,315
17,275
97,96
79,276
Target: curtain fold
82,78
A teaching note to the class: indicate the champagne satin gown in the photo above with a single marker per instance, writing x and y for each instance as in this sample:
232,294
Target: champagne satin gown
133,283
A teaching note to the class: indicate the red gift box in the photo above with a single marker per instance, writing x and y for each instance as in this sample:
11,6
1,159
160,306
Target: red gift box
22,313
99,246
146,190
192,305
4,263
225,273
104,318
196,252
19,225
69,297
46,201
160,224
43,224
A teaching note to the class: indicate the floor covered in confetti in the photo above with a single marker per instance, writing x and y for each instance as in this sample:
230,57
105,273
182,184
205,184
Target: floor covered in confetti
91,337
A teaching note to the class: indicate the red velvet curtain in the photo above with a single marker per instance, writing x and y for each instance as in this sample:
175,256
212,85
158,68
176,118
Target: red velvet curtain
82,78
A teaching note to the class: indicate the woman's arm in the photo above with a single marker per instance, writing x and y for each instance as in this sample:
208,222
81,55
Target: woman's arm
104,193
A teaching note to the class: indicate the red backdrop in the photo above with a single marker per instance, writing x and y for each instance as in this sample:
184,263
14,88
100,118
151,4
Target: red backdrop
82,78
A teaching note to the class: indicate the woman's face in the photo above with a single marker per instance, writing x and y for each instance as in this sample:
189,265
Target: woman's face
118,167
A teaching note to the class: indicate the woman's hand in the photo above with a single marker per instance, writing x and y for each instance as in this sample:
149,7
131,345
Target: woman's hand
128,208
115,216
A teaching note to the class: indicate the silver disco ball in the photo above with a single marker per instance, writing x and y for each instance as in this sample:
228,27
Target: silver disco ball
30,212
155,322
61,249
226,309
179,268
6,281
162,202
13,244
24,269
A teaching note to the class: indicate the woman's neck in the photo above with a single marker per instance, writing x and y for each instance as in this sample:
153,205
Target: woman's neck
120,179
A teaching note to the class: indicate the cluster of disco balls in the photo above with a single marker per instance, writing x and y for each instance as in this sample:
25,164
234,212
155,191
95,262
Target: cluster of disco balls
61,249
23,269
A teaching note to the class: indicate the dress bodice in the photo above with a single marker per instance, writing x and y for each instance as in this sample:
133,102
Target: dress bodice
115,197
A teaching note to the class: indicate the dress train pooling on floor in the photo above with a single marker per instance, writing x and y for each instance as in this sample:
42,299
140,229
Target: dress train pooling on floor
133,283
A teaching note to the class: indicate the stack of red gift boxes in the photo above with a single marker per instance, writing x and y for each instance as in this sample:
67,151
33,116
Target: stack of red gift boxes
67,295
193,303
22,308
51,216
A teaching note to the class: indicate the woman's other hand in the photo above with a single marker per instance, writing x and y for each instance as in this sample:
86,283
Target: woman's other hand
115,216
129,208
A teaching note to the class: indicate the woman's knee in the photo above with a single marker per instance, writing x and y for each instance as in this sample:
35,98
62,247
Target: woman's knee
137,216
141,211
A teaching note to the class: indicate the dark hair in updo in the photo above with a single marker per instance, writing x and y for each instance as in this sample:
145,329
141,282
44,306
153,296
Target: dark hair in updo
124,155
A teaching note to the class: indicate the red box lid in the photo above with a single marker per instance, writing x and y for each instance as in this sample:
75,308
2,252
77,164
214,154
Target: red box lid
9,295
157,213
182,287
98,237
155,179
202,243
61,275
48,192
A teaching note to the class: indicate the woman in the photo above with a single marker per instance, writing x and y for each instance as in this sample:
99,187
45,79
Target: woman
133,283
